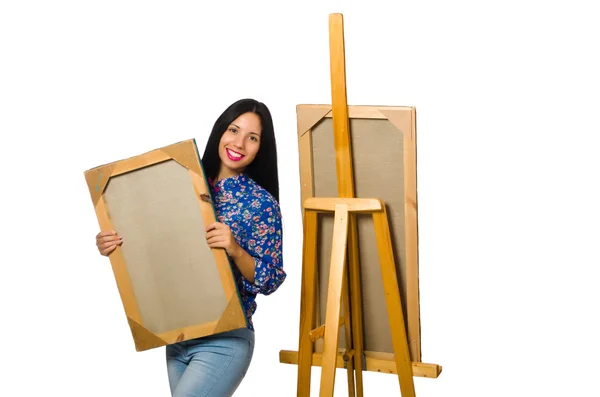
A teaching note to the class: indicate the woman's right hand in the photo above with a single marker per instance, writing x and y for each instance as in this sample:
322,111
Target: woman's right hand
107,241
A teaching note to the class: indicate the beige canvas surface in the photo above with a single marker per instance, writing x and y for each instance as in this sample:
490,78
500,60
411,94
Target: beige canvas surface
156,212
378,171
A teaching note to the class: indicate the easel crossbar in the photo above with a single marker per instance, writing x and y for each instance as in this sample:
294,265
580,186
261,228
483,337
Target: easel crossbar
375,362
358,205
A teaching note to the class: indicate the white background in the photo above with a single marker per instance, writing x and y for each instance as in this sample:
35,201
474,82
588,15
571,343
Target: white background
507,97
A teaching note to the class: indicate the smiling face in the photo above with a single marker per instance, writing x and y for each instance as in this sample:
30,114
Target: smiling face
239,144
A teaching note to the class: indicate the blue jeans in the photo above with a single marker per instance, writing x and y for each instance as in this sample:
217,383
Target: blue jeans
213,366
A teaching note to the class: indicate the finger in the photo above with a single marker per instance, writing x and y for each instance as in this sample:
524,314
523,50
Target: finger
214,233
106,233
215,239
218,242
109,244
108,250
210,226
219,231
215,226
108,239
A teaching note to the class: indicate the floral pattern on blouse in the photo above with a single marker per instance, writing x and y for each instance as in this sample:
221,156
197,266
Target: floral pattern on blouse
254,217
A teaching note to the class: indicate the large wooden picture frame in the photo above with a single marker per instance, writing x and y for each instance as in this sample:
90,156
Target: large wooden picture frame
172,285
383,145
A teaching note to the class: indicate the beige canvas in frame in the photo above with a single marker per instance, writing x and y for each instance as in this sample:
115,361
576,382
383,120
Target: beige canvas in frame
384,163
172,285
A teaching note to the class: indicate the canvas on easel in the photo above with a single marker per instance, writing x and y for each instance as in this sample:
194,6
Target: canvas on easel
383,145
173,286
384,163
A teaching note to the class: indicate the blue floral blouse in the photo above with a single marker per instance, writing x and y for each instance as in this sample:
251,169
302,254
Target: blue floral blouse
254,217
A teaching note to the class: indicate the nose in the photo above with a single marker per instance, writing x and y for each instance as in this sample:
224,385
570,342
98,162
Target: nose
238,141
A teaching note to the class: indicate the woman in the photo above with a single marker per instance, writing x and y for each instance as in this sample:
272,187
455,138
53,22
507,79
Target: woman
240,161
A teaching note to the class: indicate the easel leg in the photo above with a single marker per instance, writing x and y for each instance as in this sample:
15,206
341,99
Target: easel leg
348,334
334,300
394,304
356,299
307,303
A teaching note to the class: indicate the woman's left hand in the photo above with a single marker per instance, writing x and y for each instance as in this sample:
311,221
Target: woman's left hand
219,235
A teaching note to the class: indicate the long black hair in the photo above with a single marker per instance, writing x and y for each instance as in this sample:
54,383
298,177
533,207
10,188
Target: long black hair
263,170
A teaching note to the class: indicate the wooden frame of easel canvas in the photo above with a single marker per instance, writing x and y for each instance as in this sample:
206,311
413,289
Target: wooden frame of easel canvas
381,123
172,285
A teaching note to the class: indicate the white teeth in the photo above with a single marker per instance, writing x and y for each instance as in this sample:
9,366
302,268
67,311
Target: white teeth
234,154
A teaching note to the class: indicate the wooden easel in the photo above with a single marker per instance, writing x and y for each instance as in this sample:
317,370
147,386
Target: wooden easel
344,279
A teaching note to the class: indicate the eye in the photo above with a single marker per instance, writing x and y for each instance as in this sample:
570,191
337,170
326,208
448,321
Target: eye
233,130
253,138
